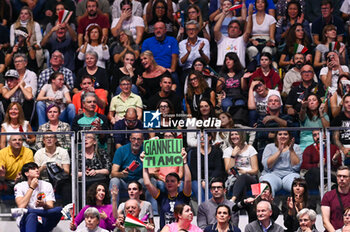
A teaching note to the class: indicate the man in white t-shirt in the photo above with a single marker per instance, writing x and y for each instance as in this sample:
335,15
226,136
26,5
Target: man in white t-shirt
236,41
329,75
35,200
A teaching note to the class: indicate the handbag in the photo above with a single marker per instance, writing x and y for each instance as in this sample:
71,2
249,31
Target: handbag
56,174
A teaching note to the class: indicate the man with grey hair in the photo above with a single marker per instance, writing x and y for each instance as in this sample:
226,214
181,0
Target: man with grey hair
56,62
20,61
264,222
307,219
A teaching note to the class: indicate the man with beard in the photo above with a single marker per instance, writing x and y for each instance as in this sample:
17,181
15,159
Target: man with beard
335,201
66,45
207,210
263,222
294,74
93,17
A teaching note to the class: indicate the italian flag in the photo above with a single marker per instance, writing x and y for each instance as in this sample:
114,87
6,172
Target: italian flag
258,189
62,16
334,46
235,7
298,48
131,221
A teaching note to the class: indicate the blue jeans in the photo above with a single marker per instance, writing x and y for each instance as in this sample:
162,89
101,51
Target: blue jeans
277,183
50,218
227,102
66,116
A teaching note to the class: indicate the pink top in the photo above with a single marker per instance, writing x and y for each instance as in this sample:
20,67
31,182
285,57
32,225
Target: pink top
173,228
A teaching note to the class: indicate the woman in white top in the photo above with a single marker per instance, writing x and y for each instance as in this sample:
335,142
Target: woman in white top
14,122
241,162
263,33
93,42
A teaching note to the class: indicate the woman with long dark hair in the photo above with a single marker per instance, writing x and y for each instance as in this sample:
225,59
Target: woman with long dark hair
162,11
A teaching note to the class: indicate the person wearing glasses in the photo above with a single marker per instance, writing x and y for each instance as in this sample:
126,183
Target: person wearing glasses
335,201
307,219
123,101
208,209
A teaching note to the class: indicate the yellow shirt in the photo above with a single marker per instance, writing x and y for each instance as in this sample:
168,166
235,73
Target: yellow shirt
120,106
13,164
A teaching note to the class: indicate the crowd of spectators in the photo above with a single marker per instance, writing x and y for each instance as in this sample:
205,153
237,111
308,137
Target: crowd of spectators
72,65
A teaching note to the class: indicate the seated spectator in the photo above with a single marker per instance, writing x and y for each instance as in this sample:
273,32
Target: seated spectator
14,122
312,114
128,21
62,37
93,42
216,166
54,124
135,191
327,18
53,153
35,198
197,90
237,38
233,82
129,122
12,159
159,11
167,114
92,219
20,61
92,16
117,12
281,8
223,217
295,203
341,138
184,216
193,13
149,82
98,197
307,219
293,76
346,219
299,93
123,101
23,46
133,208
56,62
243,158
207,211
336,101
87,85
202,5
293,14
37,8
329,75
222,139
311,161
124,43
90,120
334,201
55,92
26,20
263,34
171,197
165,93
128,69
267,73
17,90
249,204
329,36
264,221
257,99
281,161
296,35
97,162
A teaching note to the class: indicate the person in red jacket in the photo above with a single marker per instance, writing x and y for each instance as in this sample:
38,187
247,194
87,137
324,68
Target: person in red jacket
311,161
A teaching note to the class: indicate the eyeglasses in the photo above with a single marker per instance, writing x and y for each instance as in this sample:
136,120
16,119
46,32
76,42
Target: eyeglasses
216,187
307,72
193,79
164,107
136,139
130,121
18,61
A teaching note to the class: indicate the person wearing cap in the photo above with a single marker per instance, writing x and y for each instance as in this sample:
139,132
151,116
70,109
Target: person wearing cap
17,90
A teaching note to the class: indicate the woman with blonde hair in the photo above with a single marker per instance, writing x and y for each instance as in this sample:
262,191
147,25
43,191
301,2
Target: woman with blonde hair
14,122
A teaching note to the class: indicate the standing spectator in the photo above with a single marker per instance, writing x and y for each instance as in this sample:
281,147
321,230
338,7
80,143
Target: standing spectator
335,201
94,41
56,62
92,16
55,92
128,21
207,210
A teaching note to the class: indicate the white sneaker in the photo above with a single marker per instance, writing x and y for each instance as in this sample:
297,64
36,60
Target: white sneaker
18,212
66,211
